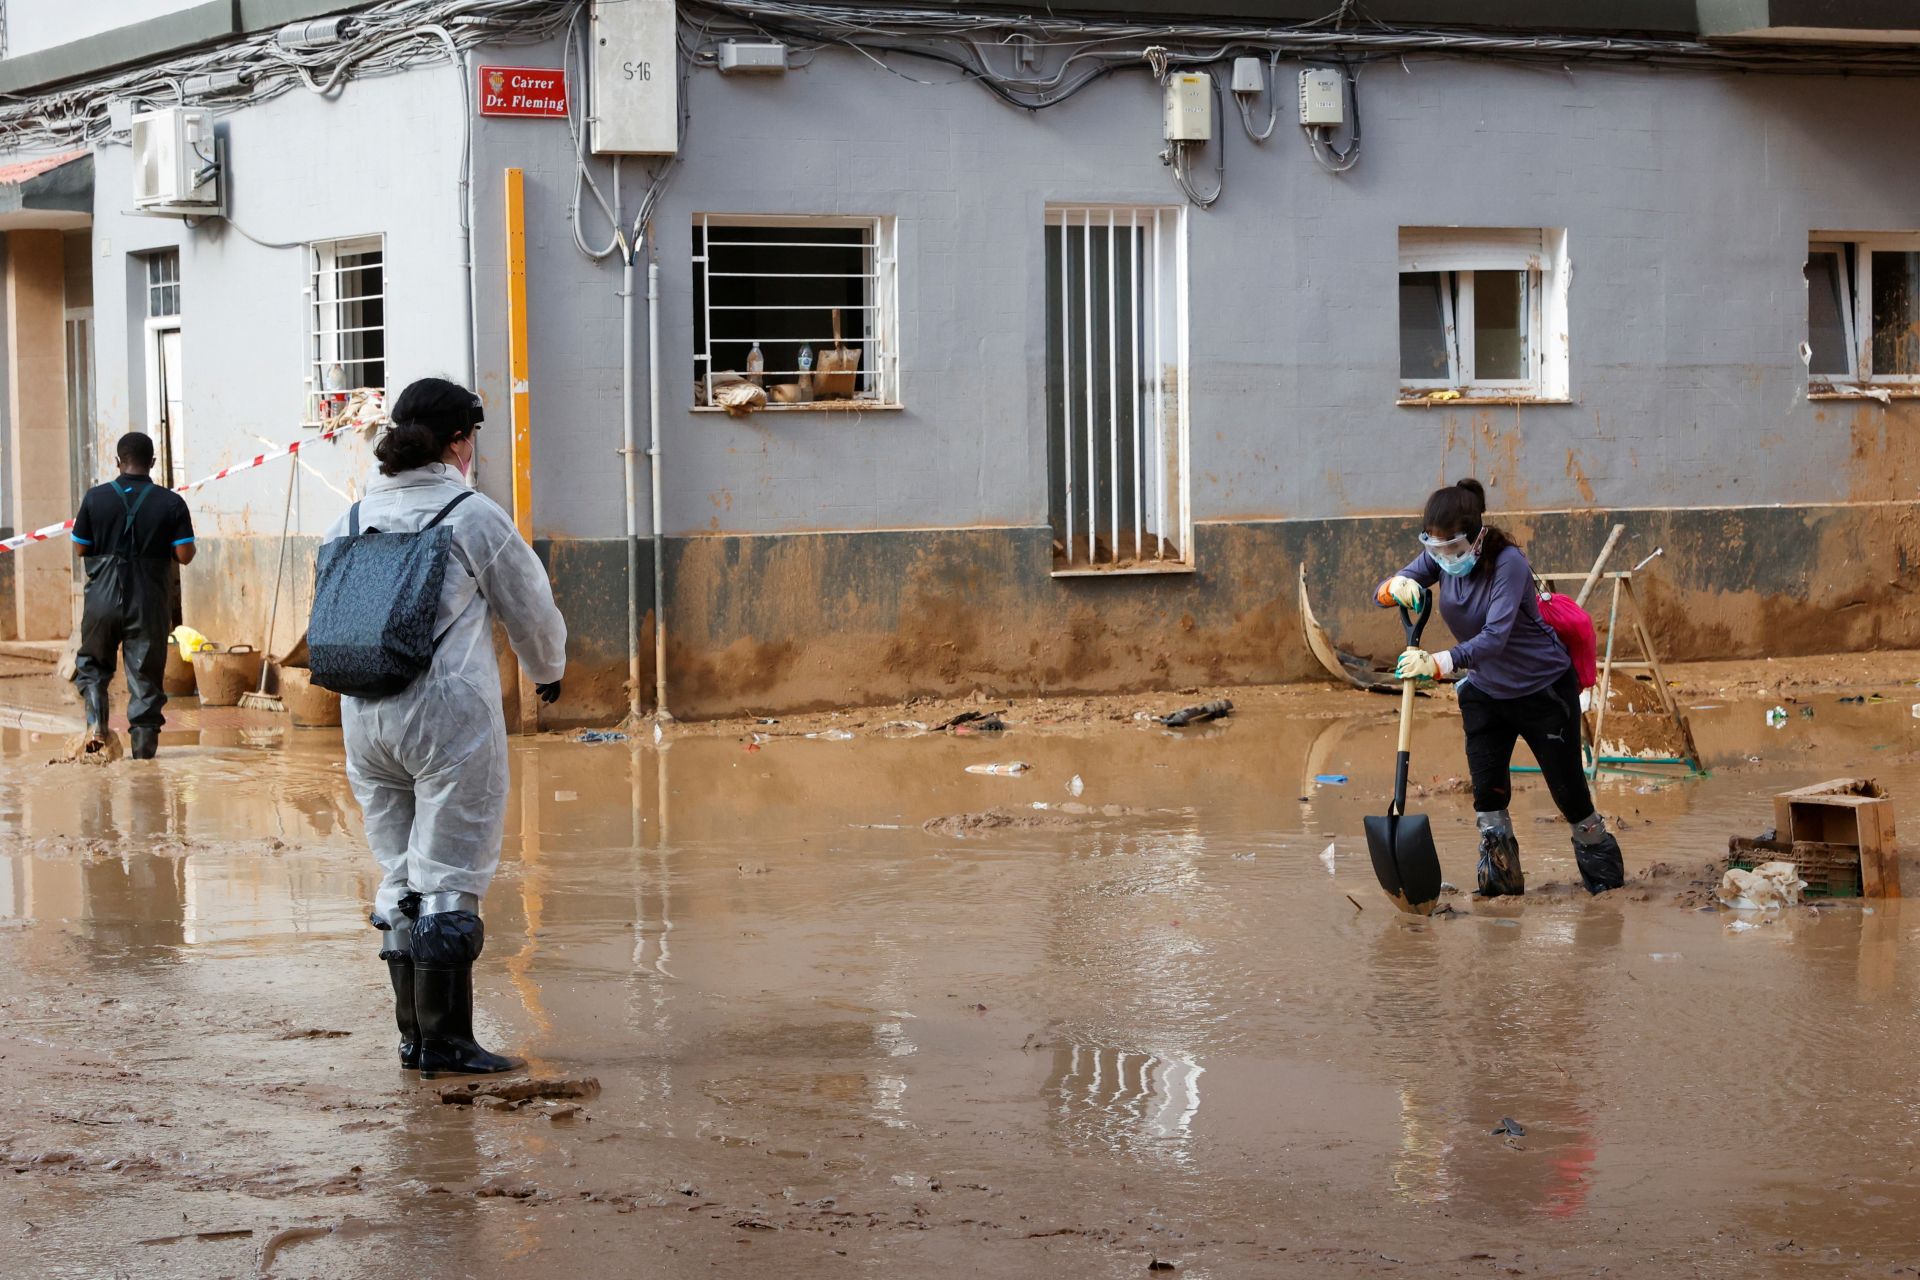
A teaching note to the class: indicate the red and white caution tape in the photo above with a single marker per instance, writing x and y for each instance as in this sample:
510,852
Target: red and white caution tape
258,460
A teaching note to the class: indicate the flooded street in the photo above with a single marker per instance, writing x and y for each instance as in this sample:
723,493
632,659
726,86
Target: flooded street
1091,1032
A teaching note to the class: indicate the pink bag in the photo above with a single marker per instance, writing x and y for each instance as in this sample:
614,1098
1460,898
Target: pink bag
1574,626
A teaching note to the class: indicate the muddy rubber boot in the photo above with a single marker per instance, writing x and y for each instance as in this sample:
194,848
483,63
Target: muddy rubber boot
95,698
1499,874
1597,854
448,937
400,969
443,1005
145,742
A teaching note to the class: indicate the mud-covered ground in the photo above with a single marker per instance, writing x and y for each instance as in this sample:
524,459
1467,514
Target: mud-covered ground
855,1010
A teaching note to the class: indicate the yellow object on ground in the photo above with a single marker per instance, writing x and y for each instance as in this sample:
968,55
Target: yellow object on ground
190,641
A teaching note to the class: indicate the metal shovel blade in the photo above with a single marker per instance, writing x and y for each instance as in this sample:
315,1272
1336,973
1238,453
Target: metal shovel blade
1405,861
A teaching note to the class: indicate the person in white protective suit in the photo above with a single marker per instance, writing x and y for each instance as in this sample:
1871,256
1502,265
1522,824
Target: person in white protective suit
429,764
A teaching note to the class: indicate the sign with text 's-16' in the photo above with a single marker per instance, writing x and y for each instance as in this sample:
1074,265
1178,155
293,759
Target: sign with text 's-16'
523,91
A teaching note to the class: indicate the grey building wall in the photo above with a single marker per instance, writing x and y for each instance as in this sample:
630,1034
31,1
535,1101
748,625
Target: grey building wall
1687,198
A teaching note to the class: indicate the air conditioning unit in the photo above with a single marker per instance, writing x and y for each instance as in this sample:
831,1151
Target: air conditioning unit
176,165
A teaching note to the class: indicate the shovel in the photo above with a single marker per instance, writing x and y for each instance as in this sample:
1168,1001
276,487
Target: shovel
839,368
1404,859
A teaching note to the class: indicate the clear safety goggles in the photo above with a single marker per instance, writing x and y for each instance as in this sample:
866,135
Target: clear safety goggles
1450,548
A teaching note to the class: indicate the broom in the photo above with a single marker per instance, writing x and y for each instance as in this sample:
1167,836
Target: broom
260,699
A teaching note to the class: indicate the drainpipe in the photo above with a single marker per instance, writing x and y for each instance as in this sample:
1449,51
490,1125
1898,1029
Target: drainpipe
627,453
653,453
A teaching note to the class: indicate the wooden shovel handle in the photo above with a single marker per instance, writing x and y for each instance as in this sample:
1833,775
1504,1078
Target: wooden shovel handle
1406,716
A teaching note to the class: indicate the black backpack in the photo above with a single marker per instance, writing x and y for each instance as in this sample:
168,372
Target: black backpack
375,599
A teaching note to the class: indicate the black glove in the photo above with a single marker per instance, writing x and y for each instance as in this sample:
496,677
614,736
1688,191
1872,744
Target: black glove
549,692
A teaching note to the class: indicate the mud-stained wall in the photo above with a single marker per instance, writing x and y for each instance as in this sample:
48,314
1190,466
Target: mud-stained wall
816,558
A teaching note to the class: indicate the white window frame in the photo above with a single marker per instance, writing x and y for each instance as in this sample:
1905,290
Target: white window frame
878,336
1456,254
1160,524
323,347
154,287
1857,283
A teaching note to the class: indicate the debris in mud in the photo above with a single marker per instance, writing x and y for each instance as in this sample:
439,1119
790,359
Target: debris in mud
600,735
1510,1127
1330,779
522,1090
971,722
88,747
1767,886
1200,713
963,825
345,1229
1011,769
312,1033
1160,1264
236,1233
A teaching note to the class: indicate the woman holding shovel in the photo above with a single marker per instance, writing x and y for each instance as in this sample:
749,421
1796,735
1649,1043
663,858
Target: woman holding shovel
1516,680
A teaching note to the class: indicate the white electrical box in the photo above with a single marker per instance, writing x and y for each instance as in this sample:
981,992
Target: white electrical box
634,96
751,55
1189,107
1323,98
175,161
1247,77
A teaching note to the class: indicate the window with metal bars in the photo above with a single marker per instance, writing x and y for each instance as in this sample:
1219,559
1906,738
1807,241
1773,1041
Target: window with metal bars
1117,389
346,323
163,284
804,307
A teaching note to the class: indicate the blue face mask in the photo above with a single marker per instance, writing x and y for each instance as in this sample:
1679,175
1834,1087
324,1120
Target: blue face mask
1455,556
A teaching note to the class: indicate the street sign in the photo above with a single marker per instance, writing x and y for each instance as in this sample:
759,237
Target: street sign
523,91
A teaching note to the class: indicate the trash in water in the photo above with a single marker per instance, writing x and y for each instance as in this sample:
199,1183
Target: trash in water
603,735
1767,886
1916,711
979,720
564,796
765,720
1856,698
1000,770
1806,713
1197,714
831,735
1075,786
1326,856
1663,955
990,724
1510,1127
1741,926
1776,717
1331,779
1714,706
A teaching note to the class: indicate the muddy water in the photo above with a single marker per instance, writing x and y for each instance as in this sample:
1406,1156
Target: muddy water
1142,1023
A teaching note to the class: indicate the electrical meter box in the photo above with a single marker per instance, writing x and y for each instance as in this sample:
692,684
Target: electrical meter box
634,97
1323,99
1247,77
1189,107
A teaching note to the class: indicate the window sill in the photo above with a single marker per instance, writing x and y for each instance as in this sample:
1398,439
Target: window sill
816,406
1407,401
1126,571
1868,392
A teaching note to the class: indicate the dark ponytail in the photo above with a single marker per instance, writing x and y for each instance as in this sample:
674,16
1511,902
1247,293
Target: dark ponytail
1461,509
429,415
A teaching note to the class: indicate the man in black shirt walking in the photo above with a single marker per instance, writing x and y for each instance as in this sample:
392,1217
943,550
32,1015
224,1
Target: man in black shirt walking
129,530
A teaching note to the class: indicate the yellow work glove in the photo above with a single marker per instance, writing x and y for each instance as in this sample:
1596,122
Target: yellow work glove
1417,664
1400,590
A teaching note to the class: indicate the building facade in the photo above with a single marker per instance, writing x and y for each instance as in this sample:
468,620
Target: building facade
1649,263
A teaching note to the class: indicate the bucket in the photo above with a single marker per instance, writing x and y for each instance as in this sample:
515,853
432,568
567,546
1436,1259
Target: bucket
224,674
310,706
178,681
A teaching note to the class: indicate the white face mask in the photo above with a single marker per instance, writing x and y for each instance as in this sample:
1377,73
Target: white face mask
464,464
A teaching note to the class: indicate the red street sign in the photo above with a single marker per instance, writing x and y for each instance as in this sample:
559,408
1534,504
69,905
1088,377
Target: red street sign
523,91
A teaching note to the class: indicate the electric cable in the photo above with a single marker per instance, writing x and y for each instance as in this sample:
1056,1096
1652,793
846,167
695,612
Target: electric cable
1273,102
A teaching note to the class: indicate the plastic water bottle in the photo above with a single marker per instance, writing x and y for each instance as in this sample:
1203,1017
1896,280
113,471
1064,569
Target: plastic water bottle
806,372
756,366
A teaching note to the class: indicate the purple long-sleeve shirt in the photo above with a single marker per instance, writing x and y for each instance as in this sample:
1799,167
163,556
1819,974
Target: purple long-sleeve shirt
1494,611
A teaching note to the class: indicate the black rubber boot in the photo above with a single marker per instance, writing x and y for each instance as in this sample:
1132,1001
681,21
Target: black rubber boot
145,742
400,969
1499,874
95,697
1601,867
443,1005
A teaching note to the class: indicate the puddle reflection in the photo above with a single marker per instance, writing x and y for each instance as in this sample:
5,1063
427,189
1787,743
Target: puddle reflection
1124,1100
